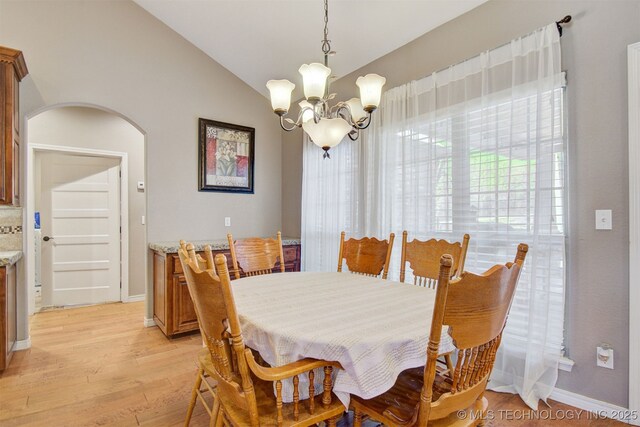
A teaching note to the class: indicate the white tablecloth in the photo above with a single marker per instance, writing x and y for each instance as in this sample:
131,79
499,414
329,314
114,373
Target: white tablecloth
375,328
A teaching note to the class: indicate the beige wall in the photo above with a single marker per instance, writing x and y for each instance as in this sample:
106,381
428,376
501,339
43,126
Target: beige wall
116,55
95,129
594,56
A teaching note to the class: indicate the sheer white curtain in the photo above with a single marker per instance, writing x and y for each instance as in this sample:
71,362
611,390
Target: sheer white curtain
477,148
330,202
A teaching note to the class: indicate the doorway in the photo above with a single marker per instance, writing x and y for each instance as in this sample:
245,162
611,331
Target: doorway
85,131
79,210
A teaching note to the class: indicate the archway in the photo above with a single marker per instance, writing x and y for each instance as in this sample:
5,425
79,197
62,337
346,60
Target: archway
88,130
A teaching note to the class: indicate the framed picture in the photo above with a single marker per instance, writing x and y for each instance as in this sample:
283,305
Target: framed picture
225,157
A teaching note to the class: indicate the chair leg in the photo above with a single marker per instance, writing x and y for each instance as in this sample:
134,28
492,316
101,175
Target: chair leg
357,418
220,417
215,410
481,407
194,396
447,359
331,422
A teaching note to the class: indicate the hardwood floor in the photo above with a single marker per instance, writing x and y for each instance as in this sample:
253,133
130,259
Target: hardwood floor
99,366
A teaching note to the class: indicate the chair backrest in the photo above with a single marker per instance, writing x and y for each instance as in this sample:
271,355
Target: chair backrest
368,256
219,323
205,263
475,308
255,255
424,258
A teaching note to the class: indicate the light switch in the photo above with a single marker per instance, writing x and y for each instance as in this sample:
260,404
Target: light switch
140,185
227,221
603,219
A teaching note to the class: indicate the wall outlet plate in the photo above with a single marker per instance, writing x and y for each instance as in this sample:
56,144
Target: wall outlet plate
604,357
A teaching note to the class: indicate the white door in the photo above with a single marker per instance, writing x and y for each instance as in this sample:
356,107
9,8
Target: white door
80,218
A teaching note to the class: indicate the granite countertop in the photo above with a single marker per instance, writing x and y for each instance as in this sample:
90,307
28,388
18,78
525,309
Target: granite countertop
216,244
9,257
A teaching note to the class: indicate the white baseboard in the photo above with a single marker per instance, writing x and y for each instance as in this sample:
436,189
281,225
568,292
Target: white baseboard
592,405
22,344
149,322
135,298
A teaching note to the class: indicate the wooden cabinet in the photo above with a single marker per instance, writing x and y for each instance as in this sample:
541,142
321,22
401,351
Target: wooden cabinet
172,307
8,319
12,70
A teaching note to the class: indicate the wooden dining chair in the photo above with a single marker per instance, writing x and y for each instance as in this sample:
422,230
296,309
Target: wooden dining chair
255,256
368,256
245,395
475,309
204,388
424,258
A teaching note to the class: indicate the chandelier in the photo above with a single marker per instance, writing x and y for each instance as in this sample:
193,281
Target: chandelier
326,125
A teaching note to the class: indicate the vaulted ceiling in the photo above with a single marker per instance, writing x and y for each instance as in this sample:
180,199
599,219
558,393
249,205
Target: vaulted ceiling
259,40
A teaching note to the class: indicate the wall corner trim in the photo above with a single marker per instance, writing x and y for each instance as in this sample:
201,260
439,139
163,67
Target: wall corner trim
149,322
633,58
22,344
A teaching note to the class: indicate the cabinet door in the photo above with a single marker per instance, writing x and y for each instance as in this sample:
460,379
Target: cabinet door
159,291
11,308
7,314
185,318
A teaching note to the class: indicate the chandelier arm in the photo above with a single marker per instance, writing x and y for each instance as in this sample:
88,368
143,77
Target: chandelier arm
316,117
354,134
344,112
340,106
364,123
294,125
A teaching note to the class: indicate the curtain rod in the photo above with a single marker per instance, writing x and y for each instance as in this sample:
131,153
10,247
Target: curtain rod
564,20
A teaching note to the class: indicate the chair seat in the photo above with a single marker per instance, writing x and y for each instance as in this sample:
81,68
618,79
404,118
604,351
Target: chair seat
400,402
267,408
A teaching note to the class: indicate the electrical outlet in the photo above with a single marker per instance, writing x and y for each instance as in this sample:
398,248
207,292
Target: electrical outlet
604,356
227,221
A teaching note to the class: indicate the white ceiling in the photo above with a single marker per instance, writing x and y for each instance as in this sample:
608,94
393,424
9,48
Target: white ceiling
259,40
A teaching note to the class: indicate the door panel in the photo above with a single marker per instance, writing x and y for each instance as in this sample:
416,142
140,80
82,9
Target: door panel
80,211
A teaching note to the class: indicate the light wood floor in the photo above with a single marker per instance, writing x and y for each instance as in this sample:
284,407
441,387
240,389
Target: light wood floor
99,366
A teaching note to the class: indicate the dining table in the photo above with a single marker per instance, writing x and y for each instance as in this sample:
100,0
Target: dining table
374,328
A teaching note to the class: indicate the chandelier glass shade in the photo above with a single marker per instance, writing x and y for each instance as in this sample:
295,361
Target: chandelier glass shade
326,125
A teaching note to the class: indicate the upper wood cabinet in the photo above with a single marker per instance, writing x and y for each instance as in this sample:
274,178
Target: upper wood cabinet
12,70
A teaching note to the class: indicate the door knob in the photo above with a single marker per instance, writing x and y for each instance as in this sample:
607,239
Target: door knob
47,238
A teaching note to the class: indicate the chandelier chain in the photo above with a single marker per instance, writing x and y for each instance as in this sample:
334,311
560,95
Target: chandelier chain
326,43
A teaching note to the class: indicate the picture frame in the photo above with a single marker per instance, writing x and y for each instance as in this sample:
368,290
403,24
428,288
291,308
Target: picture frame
225,157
